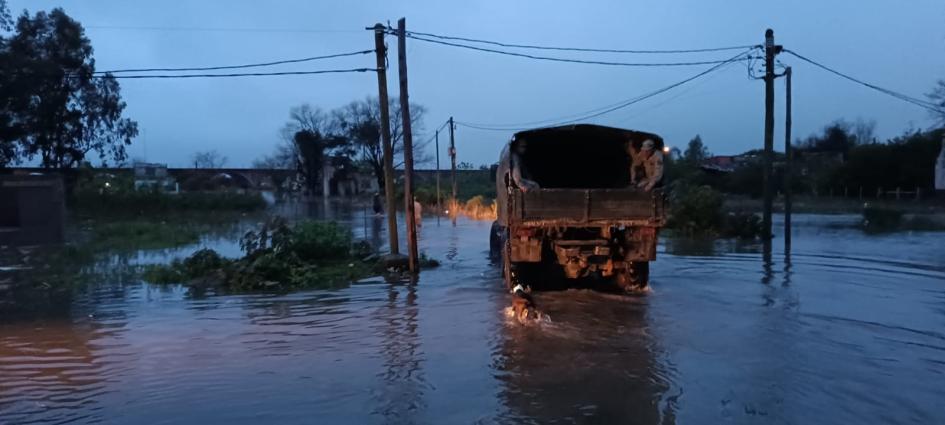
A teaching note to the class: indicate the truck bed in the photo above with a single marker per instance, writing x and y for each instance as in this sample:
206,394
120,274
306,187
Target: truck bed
588,206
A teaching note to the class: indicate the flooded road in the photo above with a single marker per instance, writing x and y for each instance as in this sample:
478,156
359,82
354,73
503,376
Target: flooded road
850,328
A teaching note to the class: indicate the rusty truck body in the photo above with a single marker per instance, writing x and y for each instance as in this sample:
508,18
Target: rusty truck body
585,219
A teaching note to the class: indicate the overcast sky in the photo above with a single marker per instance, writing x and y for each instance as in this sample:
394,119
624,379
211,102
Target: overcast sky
895,44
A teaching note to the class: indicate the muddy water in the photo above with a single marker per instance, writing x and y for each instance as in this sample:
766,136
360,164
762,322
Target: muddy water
849,328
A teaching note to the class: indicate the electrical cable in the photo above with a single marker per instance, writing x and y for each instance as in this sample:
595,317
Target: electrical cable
918,102
605,109
217,29
252,65
249,74
568,60
579,49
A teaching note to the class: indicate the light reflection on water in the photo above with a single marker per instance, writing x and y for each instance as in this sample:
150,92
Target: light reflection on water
848,329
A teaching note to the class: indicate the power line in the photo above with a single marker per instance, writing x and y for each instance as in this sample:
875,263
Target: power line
556,59
217,29
436,131
252,65
580,49
249,74
605,109
918,102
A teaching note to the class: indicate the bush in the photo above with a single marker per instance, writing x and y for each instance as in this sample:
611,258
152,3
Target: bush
696,210
315,240
203,262
742,226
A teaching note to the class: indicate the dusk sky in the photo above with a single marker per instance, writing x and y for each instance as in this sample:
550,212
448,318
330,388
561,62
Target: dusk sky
897,45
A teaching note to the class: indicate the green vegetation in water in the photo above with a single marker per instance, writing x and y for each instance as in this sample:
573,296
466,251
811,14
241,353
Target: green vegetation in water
155,203
698,211
278,257
140,234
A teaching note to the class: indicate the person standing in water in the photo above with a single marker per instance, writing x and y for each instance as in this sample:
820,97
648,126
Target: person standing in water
417,212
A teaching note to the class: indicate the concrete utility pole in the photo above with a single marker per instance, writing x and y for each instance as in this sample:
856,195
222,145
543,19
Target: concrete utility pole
439,208
770,52
408,147
789,159
455,202
381,50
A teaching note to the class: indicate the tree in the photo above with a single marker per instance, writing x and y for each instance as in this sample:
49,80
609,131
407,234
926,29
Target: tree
937,96
6,23
359,122
837,137
52,104
696,152
311,142
209,159
864,131
315,152
282,159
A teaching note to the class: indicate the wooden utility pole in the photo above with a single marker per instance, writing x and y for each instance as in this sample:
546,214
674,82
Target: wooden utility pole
381,50
788,158
455,203
770,51
408,147
439,208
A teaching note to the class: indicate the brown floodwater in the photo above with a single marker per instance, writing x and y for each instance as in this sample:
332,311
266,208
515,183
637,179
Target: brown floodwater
850,328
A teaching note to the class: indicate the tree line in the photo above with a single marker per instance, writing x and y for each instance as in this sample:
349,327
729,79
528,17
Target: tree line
842,155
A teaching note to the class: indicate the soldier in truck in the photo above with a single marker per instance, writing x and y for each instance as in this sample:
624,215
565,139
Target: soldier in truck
652,161
519,174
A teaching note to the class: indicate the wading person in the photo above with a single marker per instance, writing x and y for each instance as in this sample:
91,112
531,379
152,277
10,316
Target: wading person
652,166
519,174
378,206
417,212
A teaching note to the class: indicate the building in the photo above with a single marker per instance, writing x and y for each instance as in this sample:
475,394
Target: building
33,209
148,176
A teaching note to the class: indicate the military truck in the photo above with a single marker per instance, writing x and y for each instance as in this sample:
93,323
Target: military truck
579,217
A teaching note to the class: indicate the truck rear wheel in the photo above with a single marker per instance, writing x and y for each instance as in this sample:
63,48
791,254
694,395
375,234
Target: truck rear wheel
635,277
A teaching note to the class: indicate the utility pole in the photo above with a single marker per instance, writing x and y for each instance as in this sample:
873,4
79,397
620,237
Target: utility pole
770,52
454,203
381,50
439,208
408,146
789,159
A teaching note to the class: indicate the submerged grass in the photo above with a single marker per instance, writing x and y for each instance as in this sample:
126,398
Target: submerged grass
154,203
141,234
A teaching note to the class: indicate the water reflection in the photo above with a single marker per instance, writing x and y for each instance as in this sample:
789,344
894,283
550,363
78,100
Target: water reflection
54,372
402,383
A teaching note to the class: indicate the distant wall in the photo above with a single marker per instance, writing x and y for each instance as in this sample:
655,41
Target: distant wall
32,211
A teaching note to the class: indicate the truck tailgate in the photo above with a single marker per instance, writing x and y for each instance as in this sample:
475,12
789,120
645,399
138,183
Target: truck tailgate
588,205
